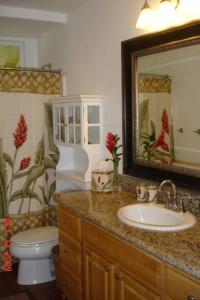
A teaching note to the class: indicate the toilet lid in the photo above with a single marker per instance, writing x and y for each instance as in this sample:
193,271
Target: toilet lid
36,236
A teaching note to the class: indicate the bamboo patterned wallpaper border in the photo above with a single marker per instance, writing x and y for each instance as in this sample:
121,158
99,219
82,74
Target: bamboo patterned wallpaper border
30,82
150,84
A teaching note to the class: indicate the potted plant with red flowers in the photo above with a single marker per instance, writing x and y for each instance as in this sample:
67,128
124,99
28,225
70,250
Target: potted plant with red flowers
113,147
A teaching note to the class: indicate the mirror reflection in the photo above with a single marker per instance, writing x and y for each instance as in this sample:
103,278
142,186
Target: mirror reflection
168,122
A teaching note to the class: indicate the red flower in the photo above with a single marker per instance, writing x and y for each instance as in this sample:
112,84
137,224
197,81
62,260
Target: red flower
20,134
25,163
165,122
161,142
111,142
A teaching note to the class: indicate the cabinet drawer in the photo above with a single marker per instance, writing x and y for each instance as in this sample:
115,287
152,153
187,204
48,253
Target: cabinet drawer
70,253
70,286
180,286
139,265
69,223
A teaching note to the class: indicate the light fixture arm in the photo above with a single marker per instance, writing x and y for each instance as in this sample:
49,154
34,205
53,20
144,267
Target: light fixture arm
146,5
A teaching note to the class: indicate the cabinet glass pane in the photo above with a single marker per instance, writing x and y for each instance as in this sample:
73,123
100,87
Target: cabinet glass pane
77,115
71,115
62,115
56,114
62,133
71,134
93,135
77,135
56,132
93,114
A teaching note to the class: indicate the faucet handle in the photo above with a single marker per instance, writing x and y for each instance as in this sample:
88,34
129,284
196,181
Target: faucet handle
181,204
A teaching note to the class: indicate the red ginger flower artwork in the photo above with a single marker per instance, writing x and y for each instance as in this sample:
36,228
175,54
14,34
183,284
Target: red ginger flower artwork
20,134
161,142
25,163
165,121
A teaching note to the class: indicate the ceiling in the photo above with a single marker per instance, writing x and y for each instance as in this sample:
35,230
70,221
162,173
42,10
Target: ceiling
27,28
49,5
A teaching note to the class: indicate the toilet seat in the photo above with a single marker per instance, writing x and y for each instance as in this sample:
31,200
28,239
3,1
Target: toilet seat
35,237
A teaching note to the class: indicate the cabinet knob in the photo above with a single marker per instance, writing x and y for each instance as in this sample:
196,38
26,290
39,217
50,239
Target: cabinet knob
107,268
66,221
67,285
191,297
118,275
66,250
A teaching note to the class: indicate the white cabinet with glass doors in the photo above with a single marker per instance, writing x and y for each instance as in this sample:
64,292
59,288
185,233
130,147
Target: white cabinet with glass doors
67,123
77,123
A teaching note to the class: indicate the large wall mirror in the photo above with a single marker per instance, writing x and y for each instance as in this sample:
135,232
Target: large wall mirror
161,105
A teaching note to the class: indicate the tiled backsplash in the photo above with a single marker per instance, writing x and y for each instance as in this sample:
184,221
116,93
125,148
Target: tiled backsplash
191,199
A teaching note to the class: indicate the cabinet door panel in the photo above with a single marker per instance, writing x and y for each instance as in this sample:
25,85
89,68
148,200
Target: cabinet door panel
98,277
129,289
179,286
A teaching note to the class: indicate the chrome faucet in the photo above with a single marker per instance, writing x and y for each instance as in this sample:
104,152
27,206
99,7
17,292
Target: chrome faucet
172,201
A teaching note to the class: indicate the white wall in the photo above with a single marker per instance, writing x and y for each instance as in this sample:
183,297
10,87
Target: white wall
88,49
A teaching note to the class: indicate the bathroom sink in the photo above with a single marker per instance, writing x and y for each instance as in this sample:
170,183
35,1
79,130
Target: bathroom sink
155,217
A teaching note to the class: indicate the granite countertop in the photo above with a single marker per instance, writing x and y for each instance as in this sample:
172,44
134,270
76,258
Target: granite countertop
180,249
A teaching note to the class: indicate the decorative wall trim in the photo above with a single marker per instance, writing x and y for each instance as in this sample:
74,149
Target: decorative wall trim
30,82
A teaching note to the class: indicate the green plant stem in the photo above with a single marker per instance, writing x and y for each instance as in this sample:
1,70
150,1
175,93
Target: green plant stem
13,178
4,204
12,175
20,207
29,204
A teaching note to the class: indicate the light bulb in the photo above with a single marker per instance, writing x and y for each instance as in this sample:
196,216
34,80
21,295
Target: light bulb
189,10
165,15
145,17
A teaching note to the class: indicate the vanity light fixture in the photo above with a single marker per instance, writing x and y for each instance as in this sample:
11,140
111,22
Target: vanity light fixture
168,13
189,10
145,17
165,15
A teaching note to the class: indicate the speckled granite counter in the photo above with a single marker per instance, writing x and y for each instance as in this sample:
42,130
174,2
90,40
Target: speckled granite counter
180,249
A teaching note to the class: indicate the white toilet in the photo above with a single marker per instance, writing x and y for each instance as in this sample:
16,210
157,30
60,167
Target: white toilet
33,249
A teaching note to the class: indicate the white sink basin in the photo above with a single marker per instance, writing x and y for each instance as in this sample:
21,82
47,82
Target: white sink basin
155,217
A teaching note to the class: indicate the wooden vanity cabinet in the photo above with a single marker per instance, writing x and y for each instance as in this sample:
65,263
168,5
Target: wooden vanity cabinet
113,270
96,265
70,254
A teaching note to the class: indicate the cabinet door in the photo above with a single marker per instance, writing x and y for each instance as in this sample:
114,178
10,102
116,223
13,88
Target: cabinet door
98,277
74,124
93,124
128,288
180,287
59,116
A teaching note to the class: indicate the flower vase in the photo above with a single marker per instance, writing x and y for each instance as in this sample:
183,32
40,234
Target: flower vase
116,182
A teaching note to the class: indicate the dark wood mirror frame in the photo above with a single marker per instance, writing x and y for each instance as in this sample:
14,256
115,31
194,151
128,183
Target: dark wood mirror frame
186,177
